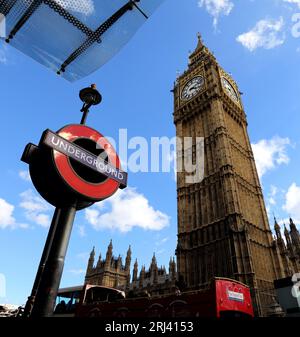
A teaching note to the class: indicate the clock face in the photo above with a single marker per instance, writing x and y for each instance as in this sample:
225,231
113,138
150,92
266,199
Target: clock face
229,89
192,88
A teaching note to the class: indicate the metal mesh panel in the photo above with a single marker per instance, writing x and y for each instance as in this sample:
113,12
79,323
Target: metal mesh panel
73,37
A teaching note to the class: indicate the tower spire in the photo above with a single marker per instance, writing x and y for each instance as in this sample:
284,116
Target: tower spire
200,52
200,41
109,254
153,262
91,261
142,277
99,261
295,236
128,259
135,271
292,225
277,228
92,254
200,46
286,232
288,238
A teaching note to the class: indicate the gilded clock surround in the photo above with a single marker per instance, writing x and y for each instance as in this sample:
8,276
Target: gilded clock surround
229,89
196,84
186,79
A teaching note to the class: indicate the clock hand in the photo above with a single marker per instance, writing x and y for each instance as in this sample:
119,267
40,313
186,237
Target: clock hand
195,87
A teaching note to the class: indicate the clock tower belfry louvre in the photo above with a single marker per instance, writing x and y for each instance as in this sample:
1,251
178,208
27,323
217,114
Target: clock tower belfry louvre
223,228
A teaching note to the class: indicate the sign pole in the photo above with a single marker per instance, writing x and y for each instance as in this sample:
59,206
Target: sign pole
76,180
50,277
31,299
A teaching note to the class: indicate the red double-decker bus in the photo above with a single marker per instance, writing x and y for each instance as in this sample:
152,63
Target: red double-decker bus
224,298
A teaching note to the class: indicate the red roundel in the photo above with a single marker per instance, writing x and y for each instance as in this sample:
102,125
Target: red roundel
94,191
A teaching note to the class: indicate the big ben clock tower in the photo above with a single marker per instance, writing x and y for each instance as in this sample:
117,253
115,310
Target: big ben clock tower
223,229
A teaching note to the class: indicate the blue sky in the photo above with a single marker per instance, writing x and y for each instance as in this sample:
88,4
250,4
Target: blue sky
254,40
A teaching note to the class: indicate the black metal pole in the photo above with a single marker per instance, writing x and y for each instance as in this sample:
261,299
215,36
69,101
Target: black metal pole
51,276
47,247
84,116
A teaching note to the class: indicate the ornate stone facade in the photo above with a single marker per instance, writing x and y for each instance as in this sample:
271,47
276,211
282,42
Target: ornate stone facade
223,228
155,280
287,250
109,272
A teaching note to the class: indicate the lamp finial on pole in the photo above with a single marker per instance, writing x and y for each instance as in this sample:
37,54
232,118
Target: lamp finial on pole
89,96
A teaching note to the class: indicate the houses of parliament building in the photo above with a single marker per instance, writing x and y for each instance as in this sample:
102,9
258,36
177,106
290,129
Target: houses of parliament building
223,228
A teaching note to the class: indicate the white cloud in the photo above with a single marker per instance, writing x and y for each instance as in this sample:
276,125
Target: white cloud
296,2
124,211
35,208
272,195
6,215
7,219
292,202
24,175
85,7
270,153
216,8
266,34
162,241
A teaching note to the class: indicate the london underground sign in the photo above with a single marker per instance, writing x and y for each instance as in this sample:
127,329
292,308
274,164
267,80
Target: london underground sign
83,156
71,150
71,169
80,164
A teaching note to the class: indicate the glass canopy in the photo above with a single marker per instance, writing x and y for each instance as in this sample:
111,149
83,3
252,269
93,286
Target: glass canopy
73,37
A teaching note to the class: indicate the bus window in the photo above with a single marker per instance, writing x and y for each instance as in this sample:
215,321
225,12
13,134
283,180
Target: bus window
99,294
95,295
67,302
